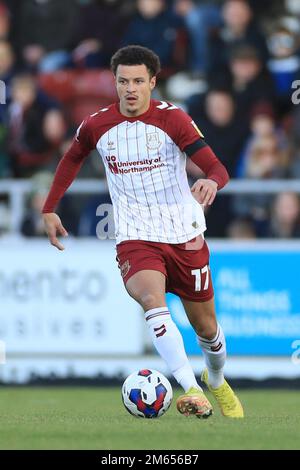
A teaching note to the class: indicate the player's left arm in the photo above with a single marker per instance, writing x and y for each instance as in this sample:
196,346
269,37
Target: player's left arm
186,135
205,189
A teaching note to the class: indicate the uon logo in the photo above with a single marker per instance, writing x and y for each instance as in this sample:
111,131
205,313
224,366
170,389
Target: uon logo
2,352
112,164
2,92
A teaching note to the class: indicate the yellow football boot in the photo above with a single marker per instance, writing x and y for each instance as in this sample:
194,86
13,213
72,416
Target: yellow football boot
194,402
229,403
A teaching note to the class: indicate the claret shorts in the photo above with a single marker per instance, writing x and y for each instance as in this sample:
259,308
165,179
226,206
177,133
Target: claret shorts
185,265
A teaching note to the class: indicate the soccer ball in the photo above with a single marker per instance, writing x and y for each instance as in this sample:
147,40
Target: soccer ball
147,394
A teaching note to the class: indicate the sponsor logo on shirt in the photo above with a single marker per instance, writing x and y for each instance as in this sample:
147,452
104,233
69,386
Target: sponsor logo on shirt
138,166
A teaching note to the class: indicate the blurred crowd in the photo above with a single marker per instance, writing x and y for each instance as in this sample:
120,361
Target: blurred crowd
231,64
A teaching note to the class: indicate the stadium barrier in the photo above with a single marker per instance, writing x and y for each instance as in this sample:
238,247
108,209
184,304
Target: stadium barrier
67,314
18,190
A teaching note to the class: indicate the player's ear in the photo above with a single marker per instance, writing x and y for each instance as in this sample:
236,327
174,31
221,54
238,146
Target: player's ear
152,83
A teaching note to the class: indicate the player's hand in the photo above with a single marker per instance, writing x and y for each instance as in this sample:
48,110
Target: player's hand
204,191
53,226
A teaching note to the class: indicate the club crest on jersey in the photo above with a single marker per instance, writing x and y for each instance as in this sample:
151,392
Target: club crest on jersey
153,142
125,268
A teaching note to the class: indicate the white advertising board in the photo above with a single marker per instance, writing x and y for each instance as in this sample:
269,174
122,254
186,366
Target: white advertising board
65,303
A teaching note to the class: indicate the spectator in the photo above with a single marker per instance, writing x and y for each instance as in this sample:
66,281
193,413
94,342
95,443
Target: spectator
55,130
4,155
45,33
241,229
262,125
267,9
239,28
28,144
5,216
250,81
7,71
5,22
224,130
295,143
293,8
285,216
266,160
98,32
157,27
7,66
284,65
32,225
199,20
54,127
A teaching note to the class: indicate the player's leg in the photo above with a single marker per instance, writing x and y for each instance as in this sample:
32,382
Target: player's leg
147,287
211,339
190,279
142,266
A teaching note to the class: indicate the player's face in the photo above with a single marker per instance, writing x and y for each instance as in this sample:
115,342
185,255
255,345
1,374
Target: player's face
134,87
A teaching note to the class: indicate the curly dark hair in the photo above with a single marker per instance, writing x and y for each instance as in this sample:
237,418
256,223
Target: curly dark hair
136,55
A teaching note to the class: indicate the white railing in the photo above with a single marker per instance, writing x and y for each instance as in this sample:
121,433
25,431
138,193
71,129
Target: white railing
17,191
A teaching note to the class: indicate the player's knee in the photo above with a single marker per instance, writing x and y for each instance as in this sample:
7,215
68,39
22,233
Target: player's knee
149,301
208,331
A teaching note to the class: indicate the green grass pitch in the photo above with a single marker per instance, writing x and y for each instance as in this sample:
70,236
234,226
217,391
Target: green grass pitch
94,418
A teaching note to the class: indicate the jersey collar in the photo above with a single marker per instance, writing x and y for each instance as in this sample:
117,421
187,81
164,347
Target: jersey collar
134,118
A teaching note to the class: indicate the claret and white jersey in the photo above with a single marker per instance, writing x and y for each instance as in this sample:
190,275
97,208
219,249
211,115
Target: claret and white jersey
145,166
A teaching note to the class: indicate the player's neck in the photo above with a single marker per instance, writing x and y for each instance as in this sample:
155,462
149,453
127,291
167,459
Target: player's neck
136,113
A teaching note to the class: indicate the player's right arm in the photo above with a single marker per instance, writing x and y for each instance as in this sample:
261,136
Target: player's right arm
65,174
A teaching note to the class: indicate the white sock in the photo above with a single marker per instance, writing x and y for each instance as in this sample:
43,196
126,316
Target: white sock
214,351
169,344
